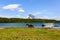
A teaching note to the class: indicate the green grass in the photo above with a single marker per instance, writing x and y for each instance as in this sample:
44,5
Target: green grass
29,34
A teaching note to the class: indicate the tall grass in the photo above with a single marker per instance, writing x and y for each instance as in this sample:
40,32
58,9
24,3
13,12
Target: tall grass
29,34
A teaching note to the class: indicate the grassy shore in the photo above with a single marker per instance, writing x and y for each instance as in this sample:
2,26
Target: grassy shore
29,34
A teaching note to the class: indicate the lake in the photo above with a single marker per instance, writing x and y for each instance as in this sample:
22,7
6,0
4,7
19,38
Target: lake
24,24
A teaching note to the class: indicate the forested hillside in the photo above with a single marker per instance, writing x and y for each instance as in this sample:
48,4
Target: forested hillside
18,20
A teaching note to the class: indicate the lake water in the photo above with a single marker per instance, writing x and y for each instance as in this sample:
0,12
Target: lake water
24,24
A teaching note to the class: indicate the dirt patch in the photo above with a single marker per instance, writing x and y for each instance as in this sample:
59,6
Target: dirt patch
1,28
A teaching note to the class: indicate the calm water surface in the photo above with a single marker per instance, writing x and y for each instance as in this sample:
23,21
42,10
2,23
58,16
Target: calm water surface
24,24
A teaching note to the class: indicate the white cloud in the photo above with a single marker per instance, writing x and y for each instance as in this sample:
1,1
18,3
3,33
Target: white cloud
51,17
11,6
35,13
45,17
6,16
38,12
21,10
57,17
14,6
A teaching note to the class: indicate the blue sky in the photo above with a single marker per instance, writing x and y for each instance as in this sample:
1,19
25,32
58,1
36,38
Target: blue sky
45,9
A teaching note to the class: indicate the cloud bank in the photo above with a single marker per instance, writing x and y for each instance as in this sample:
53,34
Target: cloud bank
11,6
14,6
21,10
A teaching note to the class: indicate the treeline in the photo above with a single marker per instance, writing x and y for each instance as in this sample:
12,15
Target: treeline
19,20
57,21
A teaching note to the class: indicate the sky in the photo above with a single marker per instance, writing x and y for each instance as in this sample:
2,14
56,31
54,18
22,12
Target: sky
45,9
